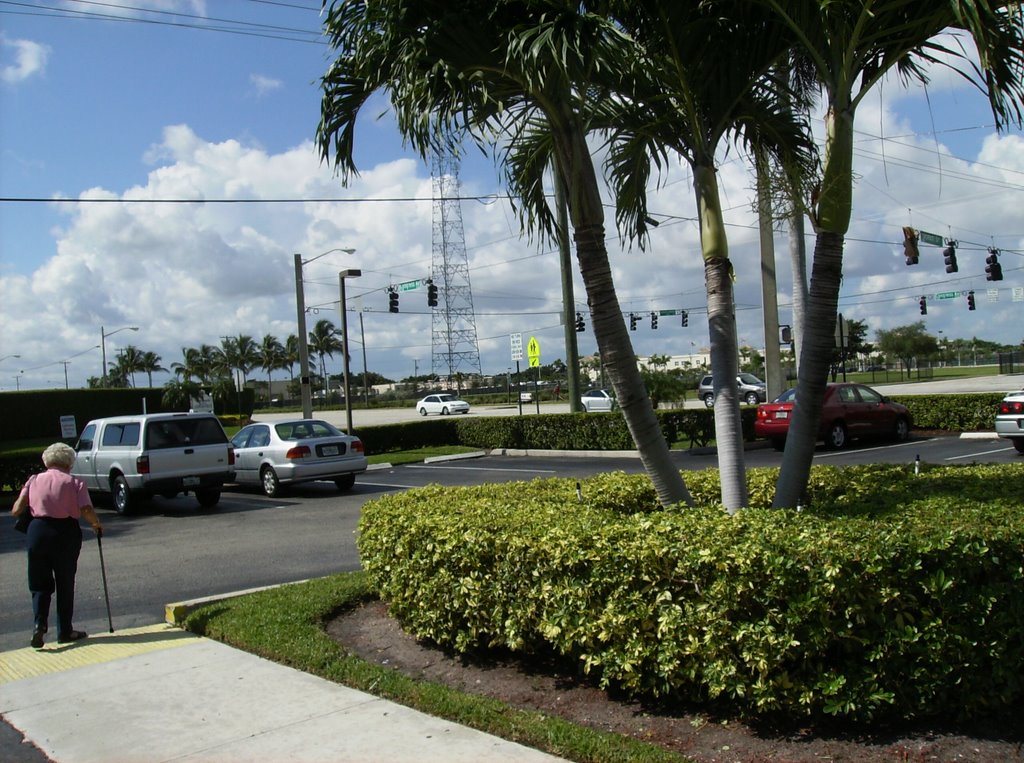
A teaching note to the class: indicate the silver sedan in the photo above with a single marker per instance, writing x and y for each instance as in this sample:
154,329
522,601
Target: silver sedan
281,453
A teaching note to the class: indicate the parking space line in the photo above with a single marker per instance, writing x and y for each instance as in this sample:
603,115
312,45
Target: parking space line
835,453
975,455
484,469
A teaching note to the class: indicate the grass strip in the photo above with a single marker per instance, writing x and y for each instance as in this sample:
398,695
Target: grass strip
286,625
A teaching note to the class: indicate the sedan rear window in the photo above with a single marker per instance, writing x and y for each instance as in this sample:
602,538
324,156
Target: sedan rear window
305,430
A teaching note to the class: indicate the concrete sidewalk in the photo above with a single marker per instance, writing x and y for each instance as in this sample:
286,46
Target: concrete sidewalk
159,693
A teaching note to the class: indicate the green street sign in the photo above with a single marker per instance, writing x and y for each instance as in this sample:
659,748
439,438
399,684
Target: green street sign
930,238
409,285
947,295
666,312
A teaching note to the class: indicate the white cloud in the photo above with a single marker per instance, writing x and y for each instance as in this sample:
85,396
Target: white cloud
26,57
263,85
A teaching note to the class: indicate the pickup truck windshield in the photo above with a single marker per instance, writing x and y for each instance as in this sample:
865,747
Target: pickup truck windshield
177,433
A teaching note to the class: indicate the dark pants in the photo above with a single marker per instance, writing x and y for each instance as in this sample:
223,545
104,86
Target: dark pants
53,548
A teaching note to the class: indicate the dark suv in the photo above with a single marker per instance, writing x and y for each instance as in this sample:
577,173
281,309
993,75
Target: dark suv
752,390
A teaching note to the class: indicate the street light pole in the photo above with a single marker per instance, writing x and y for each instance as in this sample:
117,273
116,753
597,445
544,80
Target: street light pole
300,306
103,346
342,275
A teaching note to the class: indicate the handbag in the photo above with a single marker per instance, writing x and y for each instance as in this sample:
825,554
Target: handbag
23,521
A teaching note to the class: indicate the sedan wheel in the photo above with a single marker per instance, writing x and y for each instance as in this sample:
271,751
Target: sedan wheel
752,398
268,480
423,411
346,482
1018,443
444,411
836,437
902,429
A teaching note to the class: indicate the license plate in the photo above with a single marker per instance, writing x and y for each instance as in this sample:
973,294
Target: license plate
782,414
190,481
329,450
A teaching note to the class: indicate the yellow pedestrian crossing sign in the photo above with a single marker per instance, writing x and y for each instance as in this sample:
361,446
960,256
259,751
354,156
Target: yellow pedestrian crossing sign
533,352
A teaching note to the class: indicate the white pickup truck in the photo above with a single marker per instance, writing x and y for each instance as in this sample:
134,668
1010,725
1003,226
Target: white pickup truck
135,457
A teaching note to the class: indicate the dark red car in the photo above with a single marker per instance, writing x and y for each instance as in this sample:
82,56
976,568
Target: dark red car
849,410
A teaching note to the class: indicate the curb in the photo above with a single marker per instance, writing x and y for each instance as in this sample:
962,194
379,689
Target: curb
176,612
979,436
456,456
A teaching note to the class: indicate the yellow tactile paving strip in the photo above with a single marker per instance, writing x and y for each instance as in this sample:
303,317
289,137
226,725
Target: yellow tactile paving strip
97,648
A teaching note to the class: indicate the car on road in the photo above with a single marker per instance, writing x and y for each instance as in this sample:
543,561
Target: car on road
849,410
597,400
442,403
1010,419
276,454
752,390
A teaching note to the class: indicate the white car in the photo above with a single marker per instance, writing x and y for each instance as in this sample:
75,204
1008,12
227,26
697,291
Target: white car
597,400
443,404
1010,419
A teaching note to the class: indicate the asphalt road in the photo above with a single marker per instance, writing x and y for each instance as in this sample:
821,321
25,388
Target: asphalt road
172,550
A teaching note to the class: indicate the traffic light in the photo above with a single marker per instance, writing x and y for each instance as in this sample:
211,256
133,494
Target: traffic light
923,304
579,322
910,250
686,319
970,300
431,293
949,255
785,335
392,300
654,320
993,270
632,322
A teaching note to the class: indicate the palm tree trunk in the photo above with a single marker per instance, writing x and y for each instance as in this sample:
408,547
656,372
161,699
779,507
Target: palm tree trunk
618,358
718,275
819,335
619,361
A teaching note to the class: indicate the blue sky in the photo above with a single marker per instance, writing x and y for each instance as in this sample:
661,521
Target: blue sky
122,108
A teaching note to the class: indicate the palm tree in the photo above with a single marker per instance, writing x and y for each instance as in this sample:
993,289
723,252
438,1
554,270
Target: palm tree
208,361
129,361
272,357
687,103
324,341
291,354
188,367
150,364
851,45
498,71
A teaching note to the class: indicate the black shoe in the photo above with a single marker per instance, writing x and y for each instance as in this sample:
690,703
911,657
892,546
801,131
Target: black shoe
37,638
71,636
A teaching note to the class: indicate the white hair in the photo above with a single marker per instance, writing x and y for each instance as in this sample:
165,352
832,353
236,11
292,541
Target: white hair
60,455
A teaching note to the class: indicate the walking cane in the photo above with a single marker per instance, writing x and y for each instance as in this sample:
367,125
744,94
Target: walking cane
103,571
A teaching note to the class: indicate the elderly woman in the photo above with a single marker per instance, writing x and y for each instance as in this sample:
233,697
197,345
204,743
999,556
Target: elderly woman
57,501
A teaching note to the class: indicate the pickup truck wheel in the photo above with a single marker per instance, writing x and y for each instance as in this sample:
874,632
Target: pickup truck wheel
122,495
346,482
268,480
208,497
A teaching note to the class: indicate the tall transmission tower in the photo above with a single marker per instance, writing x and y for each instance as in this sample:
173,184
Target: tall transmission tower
454,342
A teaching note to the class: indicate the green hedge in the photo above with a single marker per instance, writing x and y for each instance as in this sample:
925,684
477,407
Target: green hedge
546,431
956,413
894,596
36,413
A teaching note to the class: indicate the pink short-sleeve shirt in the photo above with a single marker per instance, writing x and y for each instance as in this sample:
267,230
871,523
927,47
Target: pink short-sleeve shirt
56,494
